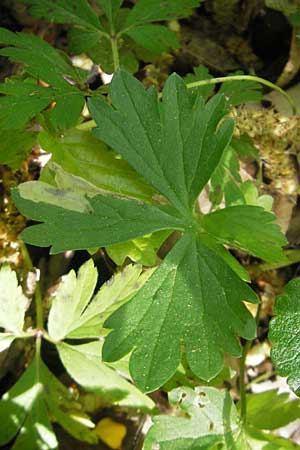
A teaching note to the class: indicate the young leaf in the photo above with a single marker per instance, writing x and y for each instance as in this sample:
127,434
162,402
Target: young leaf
80,153
210,418
177,149
83,362
13,305
178,304
110,220
243,91
45,63
75,313
249,228
284,332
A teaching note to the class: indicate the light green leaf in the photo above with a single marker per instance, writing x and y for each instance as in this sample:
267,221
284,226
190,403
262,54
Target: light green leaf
13,302
249,228
284,335
23,409
75,313
15,145
38,191
111,220
6,339
178,304
80,153
83,362
281,410
71,299
169,149
210,418
252,196
146,11
141,250
155,38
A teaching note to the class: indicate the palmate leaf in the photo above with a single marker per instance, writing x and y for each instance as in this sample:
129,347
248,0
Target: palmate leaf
284,335
176,146
26,408
45,63
178,305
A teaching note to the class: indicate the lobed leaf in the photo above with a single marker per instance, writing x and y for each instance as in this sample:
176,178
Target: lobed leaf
155,38
108,221
249,228
178,304
175,149
284,332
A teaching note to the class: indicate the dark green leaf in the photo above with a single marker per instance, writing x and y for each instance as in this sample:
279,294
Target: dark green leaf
249,228
108,221
155,38
200,73
177,304
45,63
146,11
15,145
284,335
176,151
75,12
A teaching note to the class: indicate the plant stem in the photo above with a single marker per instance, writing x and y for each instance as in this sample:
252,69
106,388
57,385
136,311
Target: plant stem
243,398
115,51
37,293
241,78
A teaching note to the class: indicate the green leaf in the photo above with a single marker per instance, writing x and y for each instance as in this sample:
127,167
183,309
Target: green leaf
83,362
80,153
200,73
155,38
281,410
248,228
146,11
169,149
141,250
210,418
42,62
284,332
26,408
111,8
15,145
244,146
109,221
13,302
76,313
75,12
178,304
242,91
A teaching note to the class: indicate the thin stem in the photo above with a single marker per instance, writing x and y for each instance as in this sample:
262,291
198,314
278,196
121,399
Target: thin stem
241,78
243,398
37,293
115,52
